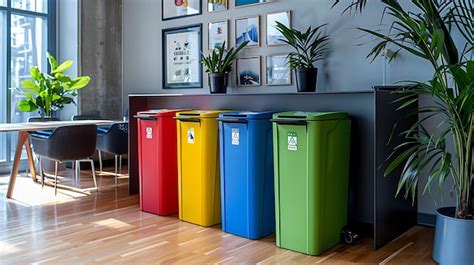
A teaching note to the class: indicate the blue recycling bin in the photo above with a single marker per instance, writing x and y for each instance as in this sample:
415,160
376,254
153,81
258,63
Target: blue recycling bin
247,182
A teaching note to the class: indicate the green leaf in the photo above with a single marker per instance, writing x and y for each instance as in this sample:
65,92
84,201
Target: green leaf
63,67
52,62
30,85
78,83
35,73
26,106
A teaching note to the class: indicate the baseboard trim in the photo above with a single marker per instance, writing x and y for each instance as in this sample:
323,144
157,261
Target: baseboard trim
427,219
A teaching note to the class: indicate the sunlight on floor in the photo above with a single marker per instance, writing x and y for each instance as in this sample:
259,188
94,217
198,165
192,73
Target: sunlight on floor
113,223
7,249
29,194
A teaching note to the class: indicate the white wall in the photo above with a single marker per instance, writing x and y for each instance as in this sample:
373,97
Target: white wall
68,43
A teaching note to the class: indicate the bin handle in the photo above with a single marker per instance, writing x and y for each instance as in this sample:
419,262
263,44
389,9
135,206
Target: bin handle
232,120
289,122
188,119
145,117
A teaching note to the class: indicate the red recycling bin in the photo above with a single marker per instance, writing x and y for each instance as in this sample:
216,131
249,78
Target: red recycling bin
158,166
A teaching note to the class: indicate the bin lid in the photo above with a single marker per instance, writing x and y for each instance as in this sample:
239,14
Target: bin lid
159,113
200,113
311,116
249,115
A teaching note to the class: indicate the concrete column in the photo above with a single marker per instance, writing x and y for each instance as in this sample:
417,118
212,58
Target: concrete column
100,49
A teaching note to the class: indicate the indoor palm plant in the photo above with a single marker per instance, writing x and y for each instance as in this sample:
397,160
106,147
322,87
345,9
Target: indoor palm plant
428,33
309,47
50,92
218,65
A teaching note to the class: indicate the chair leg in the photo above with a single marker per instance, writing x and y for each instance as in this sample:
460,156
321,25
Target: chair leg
120,164
41,171
93,173
100,161
55,177
116,173
78,171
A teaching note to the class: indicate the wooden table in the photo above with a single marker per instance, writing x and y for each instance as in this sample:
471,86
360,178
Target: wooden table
24,130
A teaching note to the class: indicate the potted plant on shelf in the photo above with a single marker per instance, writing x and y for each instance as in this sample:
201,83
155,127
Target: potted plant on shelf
309,47
218,65
428,33
48,93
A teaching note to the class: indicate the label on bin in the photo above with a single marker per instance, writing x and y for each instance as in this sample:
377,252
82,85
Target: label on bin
149,133
191,138
235,136
292,142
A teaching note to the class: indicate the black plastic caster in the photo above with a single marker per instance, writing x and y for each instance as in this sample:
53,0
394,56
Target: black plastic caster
349,236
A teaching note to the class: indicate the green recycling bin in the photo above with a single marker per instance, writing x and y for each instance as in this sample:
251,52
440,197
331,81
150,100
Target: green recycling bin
311,160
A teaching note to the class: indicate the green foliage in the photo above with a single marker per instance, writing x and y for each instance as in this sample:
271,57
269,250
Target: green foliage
50,92
354,5
220,60
427,34
309,46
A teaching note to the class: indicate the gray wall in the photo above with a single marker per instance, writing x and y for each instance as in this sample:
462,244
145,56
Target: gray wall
345,69
101,57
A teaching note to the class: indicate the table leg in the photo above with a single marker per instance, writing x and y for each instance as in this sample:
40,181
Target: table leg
31,160
22,138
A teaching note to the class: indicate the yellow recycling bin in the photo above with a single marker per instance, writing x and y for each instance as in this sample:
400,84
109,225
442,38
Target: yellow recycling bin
198,167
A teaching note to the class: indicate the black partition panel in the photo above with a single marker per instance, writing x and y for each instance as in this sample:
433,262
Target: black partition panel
361,107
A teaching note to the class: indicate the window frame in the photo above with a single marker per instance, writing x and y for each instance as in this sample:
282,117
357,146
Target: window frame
51,18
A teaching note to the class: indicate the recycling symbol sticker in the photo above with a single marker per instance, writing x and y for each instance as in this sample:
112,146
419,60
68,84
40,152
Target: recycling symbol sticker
292,142
191,136
235,136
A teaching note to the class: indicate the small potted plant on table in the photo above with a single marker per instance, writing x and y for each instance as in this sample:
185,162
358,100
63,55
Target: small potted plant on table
219,64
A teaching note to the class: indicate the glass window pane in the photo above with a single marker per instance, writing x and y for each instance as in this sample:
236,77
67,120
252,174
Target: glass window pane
3,84
3,2
31,5
28,49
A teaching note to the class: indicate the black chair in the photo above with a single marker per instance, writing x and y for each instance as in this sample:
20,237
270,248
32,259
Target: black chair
68,143
43,133
114,141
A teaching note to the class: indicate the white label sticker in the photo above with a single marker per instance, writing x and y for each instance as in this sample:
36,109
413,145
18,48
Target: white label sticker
235,136
191,138
292,142
149,133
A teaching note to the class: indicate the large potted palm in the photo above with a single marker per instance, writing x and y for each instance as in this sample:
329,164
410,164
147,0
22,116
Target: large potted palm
309,47
428,33
50,92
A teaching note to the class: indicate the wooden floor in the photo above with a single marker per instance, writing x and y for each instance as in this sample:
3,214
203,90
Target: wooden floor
108,227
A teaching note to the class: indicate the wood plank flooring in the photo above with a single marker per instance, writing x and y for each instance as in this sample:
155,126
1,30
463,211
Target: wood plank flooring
108,227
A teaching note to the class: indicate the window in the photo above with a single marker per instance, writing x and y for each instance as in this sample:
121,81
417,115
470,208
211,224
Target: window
27,31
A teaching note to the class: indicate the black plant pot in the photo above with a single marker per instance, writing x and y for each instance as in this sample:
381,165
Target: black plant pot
218,83
306,79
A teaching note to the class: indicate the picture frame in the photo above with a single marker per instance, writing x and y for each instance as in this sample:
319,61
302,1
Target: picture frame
278,72
244,3
218,32
247,28
217,5
273,36
182,48
173,9
249,71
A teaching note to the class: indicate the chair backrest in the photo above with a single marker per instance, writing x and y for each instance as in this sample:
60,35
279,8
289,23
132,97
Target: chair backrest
69,143
115,141
86,117
42,119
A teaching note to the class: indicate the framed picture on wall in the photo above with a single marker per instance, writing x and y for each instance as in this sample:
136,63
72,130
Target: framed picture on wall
241,3
247,29
273,35
249,71
218,34
182,49
217,5
278,70
172,9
